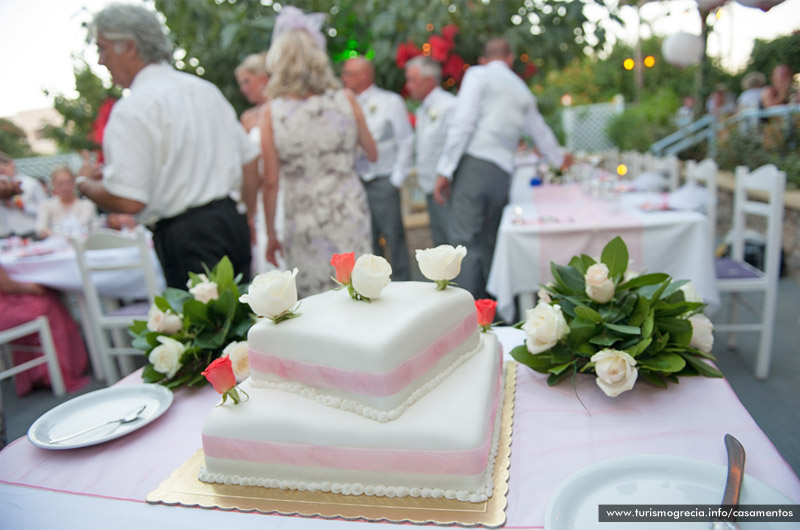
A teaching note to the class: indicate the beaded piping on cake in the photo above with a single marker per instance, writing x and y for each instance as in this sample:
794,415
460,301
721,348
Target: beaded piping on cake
372,413
357,488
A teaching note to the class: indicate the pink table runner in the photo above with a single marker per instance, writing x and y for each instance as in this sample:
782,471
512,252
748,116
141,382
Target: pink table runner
553,437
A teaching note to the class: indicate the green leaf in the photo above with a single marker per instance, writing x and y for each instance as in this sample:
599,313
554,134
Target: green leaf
648,325
702,367
151,375
664,309
679,329
674,287
604,339
626,330
641,311
663,362
580,330
176,298
554,379
222,274
540,363
138,327
654,379
570,278
643,280
197,313
639,347
587,313
615,256
560,368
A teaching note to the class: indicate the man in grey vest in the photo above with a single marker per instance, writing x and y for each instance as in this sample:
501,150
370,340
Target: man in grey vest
387,120
494,107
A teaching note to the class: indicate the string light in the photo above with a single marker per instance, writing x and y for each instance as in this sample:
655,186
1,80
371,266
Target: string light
649,61
628,64
622,170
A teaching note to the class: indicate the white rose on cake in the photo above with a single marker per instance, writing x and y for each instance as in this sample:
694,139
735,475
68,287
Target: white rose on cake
166,358
370,275
545,326
205,290
237,352
599,287
161,322
441,264
273,295
616,371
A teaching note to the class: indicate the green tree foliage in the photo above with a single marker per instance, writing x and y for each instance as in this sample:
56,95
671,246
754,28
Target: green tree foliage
639,126
13,140
767,55
213,37
79,113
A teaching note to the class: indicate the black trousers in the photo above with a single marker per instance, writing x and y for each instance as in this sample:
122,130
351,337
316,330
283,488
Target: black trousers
202,235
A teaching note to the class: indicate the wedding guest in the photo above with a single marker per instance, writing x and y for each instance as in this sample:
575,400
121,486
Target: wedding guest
18,213
752,86
174,151
780,91
494,108
310,131
719,102
388,123
64,212
685,113
23,302
423,77
251,75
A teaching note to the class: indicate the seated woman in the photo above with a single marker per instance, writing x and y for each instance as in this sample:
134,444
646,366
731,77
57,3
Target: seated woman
64,212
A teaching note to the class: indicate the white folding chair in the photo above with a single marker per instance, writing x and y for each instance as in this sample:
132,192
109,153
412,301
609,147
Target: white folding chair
41,326
735,276
668,166
104,316
705,174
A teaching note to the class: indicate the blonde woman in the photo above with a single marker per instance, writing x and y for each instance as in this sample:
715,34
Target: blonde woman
64,213
310,131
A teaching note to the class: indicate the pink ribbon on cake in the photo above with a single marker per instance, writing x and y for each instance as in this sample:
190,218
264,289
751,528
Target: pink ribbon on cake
373,384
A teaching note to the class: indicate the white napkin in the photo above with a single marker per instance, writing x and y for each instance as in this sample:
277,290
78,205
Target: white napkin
650,181
690,196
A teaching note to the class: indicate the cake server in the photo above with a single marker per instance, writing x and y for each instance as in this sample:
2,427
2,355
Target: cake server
733,485
130,416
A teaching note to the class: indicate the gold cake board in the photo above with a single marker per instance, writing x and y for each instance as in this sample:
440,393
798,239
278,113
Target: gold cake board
185,489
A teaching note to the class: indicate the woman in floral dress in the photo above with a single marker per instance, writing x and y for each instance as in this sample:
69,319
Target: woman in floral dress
309,135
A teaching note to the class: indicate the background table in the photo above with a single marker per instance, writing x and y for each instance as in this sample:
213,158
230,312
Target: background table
562,221
553,437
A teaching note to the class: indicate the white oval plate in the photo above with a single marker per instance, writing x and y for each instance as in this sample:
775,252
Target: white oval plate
96,407
649,479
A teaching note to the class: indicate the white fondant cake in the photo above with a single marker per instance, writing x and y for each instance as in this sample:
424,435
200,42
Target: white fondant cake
444,445
374,358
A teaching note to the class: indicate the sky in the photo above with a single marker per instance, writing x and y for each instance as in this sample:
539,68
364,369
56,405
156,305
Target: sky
40,38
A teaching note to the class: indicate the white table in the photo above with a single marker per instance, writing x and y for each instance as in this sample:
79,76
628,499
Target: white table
52,263
553,437
561,222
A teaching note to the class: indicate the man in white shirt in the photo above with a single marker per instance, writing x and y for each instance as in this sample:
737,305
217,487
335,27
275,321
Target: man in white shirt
433,116
174,151
18,213
494,107
387,120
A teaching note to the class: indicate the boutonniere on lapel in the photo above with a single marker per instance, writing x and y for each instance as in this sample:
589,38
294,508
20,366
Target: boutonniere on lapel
433,114
372,107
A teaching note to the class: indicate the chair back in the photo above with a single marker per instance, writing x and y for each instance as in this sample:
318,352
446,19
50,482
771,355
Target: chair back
668,165
769,183
41,326
705,174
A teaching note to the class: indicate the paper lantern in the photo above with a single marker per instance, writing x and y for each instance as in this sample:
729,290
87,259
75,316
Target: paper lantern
763,5
683,49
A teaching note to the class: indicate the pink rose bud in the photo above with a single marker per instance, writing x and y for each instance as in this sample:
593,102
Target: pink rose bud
343,263
486,309
220,374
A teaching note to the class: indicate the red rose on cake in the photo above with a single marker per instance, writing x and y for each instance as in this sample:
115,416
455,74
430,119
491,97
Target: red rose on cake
220,374
486,309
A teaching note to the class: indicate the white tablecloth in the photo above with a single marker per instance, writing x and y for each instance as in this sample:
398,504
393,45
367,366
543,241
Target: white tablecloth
52,263
562,222
553,437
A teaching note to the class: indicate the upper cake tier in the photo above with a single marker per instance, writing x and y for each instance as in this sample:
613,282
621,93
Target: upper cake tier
373,359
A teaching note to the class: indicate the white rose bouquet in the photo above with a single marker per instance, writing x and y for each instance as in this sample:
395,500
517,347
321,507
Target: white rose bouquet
187,330
594,318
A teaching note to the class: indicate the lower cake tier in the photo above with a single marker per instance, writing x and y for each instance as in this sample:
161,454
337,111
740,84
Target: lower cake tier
442,446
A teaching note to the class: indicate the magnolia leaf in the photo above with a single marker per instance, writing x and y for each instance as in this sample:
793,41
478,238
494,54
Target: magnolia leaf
604,339
141,343
664,309
639,347
654,278
177,298
197,313
627,304
223,273
162,303
554,379
674,287
151,375
539,363
568,305
560,368
610,312
585,349
640,313
663,362
679,329
582,263
648,325
580,330
626,330
654,379
571,278
702,367
615,256
587,313
137,327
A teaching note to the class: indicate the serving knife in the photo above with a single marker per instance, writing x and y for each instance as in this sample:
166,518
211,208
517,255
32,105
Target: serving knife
733,484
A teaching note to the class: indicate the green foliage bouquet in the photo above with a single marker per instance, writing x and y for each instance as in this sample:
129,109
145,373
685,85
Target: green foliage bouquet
599,318
187,330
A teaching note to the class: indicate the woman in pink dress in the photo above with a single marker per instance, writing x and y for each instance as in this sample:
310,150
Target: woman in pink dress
23,302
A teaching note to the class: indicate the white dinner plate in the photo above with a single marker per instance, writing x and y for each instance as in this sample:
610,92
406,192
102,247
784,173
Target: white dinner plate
650,479
96,407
